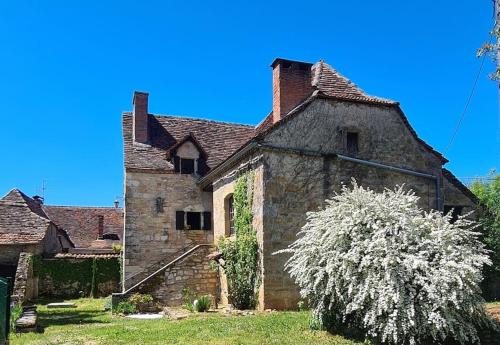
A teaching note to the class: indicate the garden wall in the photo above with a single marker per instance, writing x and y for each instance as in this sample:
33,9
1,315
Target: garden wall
64,277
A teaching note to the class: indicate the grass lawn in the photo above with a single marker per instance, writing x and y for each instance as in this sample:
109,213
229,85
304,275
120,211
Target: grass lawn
88,324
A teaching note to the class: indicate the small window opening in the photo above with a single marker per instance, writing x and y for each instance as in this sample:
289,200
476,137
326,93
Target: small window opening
187,166
457,211
110,236
159,205
352,142
230,215
193,220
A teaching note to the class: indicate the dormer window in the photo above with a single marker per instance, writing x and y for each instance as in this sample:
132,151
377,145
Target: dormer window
184,165
188,157
352,142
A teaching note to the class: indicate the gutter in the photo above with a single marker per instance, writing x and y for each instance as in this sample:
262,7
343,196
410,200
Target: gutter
401,170
206,180
365,162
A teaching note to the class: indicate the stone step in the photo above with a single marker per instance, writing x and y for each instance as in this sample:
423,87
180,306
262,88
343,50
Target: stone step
61,305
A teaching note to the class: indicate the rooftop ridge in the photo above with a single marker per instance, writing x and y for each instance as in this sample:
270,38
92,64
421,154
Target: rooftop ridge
191,118
87,207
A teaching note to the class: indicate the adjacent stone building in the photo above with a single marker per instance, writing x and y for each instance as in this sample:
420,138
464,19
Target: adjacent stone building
322,131
24,227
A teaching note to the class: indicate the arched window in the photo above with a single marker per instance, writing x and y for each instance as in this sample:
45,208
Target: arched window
230,215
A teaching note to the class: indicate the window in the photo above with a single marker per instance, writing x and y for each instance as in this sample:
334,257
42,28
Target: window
159,205
352,142
110,236
457,211
184,165
193,220
230,215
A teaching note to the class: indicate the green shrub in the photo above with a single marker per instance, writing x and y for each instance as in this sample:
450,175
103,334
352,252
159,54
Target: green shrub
241,263
188,297
15,314
202,304
124,307
142,303
108,303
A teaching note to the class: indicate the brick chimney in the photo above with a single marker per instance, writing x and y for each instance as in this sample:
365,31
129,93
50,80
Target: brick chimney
141,128
291,85
100,227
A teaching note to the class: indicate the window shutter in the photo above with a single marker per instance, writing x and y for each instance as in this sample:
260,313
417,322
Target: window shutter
179,220
177,164
202,167
207,220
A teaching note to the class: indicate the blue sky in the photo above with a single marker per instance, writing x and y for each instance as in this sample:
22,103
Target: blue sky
69,68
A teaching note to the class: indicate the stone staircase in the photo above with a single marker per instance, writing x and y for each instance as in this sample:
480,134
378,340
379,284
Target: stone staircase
141,275
189,269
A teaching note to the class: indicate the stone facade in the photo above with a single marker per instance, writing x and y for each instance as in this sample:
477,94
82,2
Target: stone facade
26,284
296,171
323,131
192,272
151,237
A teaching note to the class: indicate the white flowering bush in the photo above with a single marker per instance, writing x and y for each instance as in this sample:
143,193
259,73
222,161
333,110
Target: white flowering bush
378,263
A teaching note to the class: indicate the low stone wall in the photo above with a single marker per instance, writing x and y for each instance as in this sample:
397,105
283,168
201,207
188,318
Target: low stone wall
75,277
26,284
192,272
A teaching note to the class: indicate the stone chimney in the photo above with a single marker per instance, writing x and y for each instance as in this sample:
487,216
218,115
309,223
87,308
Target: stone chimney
292,84
141,128
100,227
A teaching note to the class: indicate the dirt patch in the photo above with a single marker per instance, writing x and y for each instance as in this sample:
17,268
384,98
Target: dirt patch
494,311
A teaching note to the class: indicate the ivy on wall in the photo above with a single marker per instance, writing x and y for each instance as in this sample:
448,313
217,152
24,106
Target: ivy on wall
70,276
240,254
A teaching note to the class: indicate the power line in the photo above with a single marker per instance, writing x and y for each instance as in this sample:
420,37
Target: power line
460,120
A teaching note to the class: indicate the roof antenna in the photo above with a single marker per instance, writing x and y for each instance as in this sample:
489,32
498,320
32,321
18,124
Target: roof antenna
43,189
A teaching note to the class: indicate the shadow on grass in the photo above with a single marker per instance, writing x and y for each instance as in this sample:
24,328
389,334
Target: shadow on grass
74,317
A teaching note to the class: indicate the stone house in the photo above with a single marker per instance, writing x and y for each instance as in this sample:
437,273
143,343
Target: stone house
25,227
322,131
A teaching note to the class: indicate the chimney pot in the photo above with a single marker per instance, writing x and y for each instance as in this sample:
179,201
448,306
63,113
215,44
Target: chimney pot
100,227
292,84
117,203
140,116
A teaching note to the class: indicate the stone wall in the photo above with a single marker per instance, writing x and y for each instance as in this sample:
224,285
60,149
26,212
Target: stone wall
9,254
151,239
222,189
25,284
192,272
296,173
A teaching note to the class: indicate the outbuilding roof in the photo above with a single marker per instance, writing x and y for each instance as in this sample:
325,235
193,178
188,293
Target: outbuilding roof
81,224
22,220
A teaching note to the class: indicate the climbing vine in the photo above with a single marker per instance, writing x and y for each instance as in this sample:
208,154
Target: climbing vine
240,254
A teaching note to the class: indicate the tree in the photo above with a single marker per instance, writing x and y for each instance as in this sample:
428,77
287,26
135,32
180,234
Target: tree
488,193
378,263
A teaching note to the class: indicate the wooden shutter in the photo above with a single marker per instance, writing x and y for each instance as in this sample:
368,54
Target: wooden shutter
207,220
177,164
202,167
179,220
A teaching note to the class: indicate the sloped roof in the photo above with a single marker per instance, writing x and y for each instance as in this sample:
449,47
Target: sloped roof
81,223
218,139
221,140
22,220
460,186
331,83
